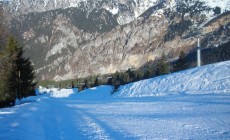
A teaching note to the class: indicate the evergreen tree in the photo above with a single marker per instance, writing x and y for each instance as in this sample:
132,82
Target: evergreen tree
162,66
217,10
72,85
96,82
23,74
7,83
86,84
181,63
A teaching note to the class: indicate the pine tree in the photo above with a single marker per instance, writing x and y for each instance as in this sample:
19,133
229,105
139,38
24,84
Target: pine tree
23,73
181,63
7,83
162,66
96,82
72,85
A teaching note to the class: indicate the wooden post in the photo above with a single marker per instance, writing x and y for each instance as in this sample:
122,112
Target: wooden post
19,86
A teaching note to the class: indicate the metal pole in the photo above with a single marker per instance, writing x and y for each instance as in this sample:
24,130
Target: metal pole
198,53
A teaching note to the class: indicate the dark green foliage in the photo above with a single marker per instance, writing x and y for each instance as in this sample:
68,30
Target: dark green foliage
209,56
162,66
216,54
72,85
24,74
181,63
16,73
217,10
96,82
7,83
86,84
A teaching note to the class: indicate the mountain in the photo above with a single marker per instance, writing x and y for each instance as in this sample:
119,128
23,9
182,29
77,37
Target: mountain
68,39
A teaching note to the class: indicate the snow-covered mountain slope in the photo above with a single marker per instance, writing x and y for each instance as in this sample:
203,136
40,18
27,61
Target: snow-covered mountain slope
96,114
214,78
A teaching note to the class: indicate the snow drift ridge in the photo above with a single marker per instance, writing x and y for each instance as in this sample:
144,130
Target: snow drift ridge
214,78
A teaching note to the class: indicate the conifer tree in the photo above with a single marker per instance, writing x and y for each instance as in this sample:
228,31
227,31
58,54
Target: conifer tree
23,72
162,66
7,83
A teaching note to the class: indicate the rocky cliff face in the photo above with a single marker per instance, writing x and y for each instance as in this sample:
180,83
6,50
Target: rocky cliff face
70,39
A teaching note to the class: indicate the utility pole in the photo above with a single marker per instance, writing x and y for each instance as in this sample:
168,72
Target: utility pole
198,53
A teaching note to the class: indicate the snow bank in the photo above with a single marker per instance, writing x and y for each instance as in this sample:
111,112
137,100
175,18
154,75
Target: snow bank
96,93
56,92
213,78
60,93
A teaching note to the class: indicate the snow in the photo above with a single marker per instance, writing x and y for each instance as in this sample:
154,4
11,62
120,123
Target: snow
210,79
223,4
114,10
191,104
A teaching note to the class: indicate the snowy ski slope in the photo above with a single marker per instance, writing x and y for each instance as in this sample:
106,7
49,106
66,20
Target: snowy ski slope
191,104
213,78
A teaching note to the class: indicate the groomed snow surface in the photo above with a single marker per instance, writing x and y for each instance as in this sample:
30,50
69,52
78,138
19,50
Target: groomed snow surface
191,104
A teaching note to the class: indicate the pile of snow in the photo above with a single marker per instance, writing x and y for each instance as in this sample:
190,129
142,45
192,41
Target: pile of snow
96,93
60,93
213,78
56,92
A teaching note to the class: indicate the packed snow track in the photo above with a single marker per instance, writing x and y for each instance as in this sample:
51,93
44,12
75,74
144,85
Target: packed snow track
171,117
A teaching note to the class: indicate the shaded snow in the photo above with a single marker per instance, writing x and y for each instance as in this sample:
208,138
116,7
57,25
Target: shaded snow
94,114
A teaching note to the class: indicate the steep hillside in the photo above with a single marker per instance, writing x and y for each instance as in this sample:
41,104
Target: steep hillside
98,37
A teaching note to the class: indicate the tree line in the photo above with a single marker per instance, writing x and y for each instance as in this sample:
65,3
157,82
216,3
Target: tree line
162,66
